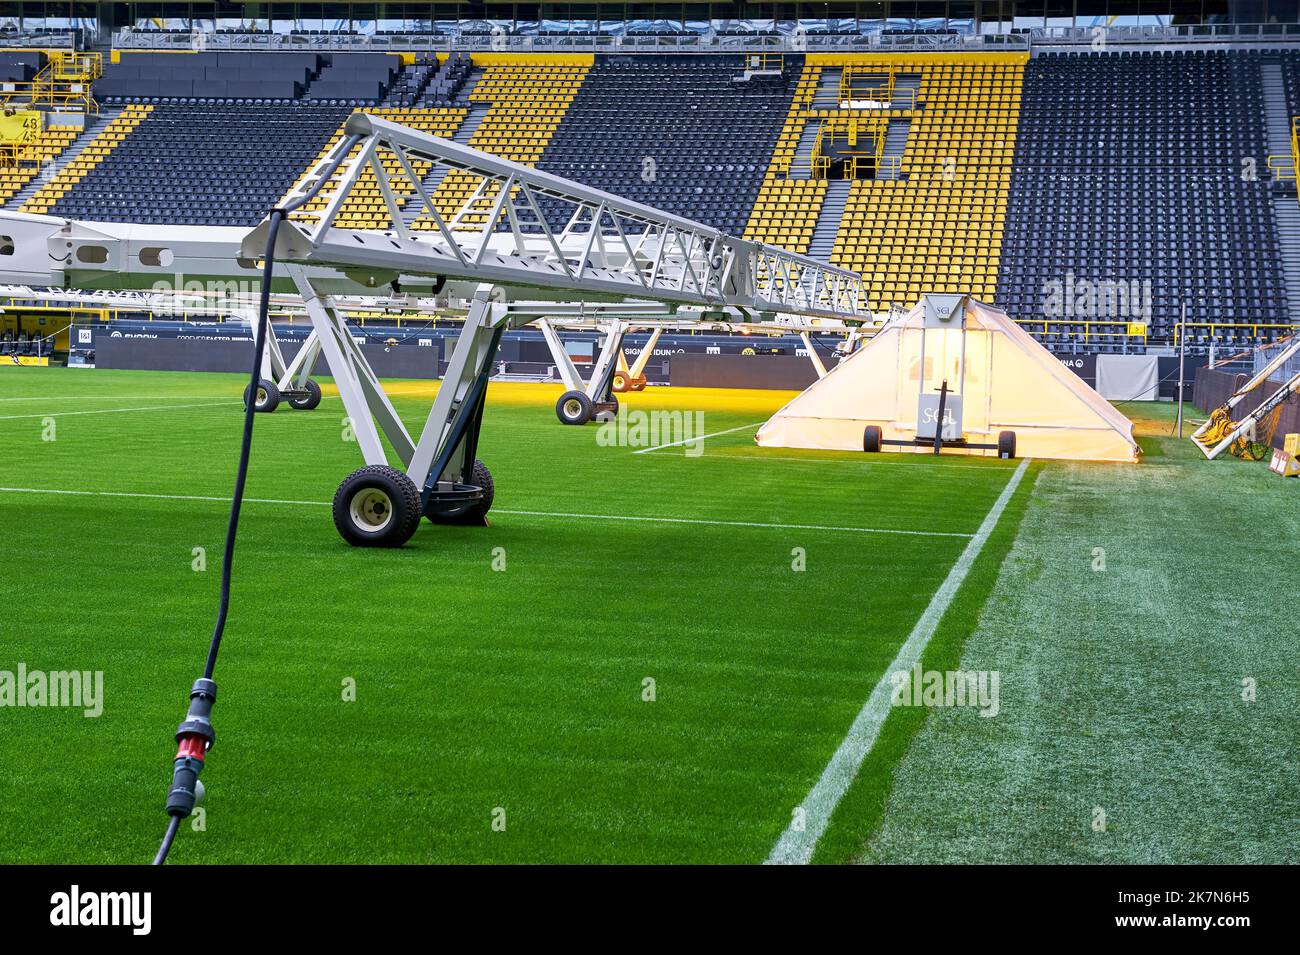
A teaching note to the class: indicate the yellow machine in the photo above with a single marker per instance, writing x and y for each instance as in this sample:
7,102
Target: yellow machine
1286,462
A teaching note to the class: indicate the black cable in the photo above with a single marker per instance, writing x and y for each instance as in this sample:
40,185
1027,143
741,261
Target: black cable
278,215
241,474
168,839
241,478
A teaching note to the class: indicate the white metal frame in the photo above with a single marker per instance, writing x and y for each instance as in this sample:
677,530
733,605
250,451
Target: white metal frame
614,262
1289,387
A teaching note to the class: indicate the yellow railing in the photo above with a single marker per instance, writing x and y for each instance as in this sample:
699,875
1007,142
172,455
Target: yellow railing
21,130
875,91
765,62
1287,168
1087,330
1255,327
1090,328
63,83
68,66
858,163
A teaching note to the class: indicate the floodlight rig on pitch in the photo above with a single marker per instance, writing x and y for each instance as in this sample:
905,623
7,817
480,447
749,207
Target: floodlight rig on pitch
498,241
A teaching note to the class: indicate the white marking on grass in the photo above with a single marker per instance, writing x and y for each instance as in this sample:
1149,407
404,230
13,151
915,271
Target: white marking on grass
160,497
876,461
693,520
65,414
677,444
561,515
796,848
105,397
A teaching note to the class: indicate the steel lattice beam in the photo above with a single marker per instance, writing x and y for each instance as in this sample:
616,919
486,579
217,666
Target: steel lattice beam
610,247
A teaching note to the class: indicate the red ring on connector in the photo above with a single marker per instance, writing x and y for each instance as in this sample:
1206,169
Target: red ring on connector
192,747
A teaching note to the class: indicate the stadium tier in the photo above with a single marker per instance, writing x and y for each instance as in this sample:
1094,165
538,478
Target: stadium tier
1137,168
1093,195
692,140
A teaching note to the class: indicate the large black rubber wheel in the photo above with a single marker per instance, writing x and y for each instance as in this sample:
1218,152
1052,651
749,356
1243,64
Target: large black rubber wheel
268,396
308,401
377,506
574,407
1006,444
871,438
475,514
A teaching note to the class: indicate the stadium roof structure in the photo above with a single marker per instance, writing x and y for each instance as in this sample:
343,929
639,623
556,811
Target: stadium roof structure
999,379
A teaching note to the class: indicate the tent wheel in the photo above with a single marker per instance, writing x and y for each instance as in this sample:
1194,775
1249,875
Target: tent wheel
1006,444
871,438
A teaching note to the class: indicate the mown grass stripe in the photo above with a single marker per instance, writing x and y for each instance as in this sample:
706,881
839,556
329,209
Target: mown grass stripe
796,847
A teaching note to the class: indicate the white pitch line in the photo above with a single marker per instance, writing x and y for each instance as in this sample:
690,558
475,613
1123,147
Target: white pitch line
65,414
796,848
677,444
159,497
551,514
693,520
102,397
878,460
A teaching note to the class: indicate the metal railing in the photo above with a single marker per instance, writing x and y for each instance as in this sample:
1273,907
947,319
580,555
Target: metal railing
1249,33
1087,331
782,41
1216,328
31,41
476,42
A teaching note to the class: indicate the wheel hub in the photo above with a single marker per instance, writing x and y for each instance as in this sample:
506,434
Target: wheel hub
371,509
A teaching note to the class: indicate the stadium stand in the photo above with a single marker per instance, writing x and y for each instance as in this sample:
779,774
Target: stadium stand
354,79
977,178
1140,180
166,77
788,203
20,66
684,137
28,161
938,226
526,100
364,207
203,164
927,211
91,156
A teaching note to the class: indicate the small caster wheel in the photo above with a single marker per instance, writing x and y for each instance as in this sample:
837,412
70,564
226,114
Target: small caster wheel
638,384
267,398
621,382
871,438
574,407
473,515
308,401
377,506
1006,444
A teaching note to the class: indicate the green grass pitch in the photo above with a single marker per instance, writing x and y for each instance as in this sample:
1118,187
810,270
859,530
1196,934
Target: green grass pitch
517,693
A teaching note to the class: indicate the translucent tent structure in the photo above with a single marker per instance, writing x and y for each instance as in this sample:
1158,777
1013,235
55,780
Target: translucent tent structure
997,378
